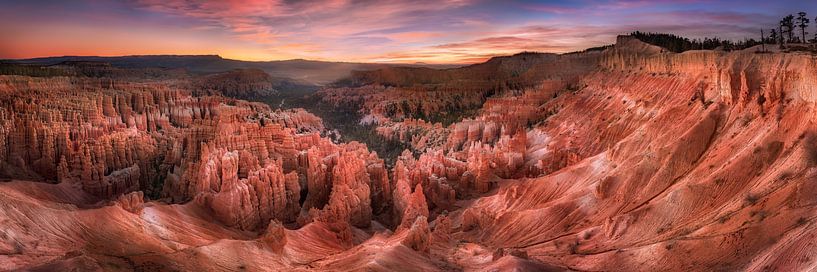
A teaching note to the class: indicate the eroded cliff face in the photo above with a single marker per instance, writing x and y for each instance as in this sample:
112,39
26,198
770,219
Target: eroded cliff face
665,162
650,156
247,163
632,158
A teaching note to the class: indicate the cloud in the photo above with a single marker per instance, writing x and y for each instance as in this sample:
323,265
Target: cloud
369,30
530,38
502,45
340,24
553,8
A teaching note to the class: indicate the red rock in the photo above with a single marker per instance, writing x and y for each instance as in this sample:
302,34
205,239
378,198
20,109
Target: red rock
236,203
131,202
350,199
415,208
418,237
275,237
441,233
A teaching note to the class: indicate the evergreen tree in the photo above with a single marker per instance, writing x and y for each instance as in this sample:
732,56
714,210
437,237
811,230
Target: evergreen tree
788,26
679,44
802,23
780,32
406,108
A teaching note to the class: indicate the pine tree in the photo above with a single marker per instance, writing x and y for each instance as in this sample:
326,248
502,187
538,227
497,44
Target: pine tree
780,32
802,23
788,24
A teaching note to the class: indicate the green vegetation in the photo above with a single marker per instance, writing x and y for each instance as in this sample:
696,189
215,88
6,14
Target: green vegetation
802,23
31,70
680,44
787,26
344,118
87,69
452,116
783,34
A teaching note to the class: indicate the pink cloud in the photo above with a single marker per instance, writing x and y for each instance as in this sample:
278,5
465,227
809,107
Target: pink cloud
335,22
550,8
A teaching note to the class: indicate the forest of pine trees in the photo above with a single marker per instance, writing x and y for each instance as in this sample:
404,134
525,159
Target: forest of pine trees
790,30
680,44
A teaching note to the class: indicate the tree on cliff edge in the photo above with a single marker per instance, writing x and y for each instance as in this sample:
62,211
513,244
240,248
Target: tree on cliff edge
780,30
802,23
787,25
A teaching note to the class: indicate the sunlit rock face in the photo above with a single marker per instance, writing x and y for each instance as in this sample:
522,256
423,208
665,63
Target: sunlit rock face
627,159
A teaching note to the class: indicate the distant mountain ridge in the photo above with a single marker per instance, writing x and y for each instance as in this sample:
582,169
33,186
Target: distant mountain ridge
304,71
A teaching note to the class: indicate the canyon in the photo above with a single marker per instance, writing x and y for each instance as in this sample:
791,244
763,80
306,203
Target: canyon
624,158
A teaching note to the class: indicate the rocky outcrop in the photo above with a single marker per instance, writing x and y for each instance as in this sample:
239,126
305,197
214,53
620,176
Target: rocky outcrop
417,236
240,83
132,202
275,237
265,194
420,135
415,208
669,172
239,159
115,137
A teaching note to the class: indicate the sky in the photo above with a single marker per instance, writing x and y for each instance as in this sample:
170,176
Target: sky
427,31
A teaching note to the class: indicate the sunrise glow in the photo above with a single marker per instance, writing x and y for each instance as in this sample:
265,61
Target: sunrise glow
449,31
